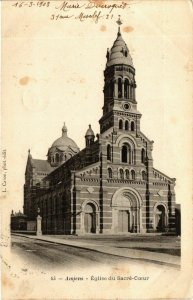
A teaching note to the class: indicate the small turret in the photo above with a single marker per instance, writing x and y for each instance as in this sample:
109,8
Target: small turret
29,154
89,136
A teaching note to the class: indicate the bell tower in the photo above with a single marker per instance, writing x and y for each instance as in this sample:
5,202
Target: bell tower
120,106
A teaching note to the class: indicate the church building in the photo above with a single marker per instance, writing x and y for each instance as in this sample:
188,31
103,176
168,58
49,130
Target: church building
111,186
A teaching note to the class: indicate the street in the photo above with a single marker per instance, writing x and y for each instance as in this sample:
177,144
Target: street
49,255
153,243
77,252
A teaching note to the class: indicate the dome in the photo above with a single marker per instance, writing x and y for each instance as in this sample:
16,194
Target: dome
64,141
89,132
62,149
119,53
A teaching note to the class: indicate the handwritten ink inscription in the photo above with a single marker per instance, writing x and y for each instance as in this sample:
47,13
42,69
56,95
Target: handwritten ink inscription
80,11
21,4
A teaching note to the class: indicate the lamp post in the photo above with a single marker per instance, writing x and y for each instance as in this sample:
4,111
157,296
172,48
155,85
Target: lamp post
39,223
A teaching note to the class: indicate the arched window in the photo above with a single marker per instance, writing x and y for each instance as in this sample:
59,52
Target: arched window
126,89
130,91
132,126
57,157
121,174
132,174
127,174
126,125
127,154
119,88
134,91
143,156
132,157
108,152
110,173
120,124
143,175
124,154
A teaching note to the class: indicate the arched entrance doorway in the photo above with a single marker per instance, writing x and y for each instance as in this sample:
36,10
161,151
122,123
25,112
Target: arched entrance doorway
124,221
126,211
90,218
160,218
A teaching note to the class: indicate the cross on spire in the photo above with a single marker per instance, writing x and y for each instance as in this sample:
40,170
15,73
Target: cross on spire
119,22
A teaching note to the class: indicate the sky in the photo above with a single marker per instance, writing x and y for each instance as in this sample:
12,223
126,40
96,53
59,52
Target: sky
53,73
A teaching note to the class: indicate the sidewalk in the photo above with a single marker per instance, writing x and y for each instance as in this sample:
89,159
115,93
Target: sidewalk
146,256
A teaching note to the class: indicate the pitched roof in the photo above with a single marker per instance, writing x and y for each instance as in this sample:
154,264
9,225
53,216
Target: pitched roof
42,165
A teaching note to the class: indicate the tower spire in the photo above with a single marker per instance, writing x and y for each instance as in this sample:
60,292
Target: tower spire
119,22
29,154
64,130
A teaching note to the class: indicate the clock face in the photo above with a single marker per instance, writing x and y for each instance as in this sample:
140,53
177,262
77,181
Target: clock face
126,106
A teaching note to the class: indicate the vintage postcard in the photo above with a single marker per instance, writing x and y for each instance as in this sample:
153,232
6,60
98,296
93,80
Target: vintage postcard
96,156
